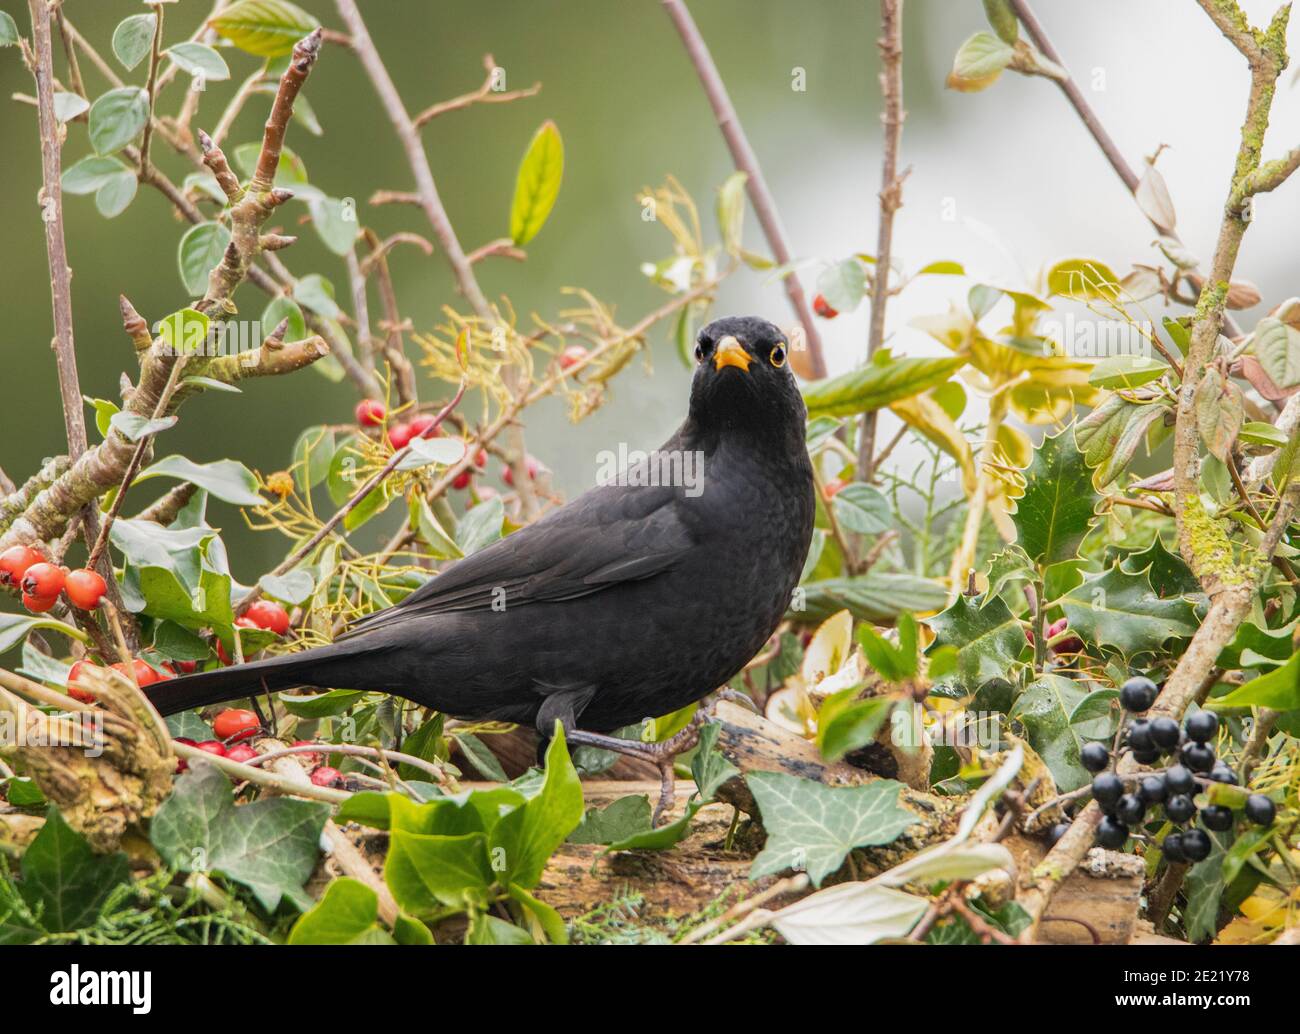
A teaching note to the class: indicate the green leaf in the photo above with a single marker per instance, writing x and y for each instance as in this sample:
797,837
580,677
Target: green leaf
1168,573
1083,280
845,723
312,453
529,835
228,480
1219,413
1006,568
537,184
488,929
424,452
1003,19
978,62
1277,346
320,705
1127,371
184,331
659,838
91,173
290,171
267,28
199,253
1110,435
843,284
294,587
620,820
481,526
133,39
1056,509
812,828
552,925
15,627
428,870
347,914
8,30
862,509
731,213
422,519
316,293
877,384
1256,432
117,117
270,846
64,880
1204,885
115,196
335,221
1118,609
483,760
133,426
988,639
876,596
1278,689
709,768
1045,707
198,59
68,106
280,309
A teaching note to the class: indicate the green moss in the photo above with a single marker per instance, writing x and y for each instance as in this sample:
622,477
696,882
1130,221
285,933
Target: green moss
1212,547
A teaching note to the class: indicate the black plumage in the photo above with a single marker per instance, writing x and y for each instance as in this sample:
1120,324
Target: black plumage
629,602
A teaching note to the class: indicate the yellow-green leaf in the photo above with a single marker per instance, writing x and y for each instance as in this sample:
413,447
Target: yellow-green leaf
267,28
538,184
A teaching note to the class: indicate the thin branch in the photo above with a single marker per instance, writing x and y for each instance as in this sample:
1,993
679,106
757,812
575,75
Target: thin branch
151,88
745,160
485,94
891,199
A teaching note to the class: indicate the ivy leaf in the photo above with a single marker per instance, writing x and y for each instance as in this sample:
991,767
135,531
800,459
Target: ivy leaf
709,768
874,386
987,638
537,184
267,28
1204,885
64,879
1122,610
270,846
1056,509
228,480
117,117
347,914
862,509
199,253
1045,707
811,827
133,39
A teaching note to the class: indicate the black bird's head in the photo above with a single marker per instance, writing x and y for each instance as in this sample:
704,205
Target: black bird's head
743,379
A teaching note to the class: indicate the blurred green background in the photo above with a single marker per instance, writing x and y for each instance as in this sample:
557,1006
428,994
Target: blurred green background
1005,181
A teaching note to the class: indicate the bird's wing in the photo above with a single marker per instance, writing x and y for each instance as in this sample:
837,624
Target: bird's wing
607,536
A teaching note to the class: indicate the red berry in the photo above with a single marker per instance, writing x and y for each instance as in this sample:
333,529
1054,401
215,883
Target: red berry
461,480
306,743
142,673
39,604
400,435
186,667
832,488
85,588
241,752
212,747
369,413
572,355
43,581
14,563
326,776
480,460
268,615
421,426
181,763
823,308
1057,627
74,673
530,464
1029,636
236,724
221,652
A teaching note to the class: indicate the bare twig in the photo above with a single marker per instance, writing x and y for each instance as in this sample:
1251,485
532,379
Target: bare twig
744,158
151,88
485,94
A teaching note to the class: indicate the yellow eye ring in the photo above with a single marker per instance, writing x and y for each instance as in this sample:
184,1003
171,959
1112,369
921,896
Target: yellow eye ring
777,357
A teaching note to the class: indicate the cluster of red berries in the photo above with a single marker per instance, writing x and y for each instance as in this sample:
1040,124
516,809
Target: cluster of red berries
1129,802
234,727
41,582
1071,645
371,413
140,671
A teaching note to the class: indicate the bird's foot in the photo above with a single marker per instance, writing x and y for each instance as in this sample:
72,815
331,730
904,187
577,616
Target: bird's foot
661,755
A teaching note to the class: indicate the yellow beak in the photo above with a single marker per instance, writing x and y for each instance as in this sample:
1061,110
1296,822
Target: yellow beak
731,353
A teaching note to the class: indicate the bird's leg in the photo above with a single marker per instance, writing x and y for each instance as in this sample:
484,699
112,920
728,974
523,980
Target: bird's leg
660,755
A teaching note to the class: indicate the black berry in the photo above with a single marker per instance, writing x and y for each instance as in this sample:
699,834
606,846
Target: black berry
1196,845
1138,693
1129,809
1180,808
1260,810
1153,789
1106,789
1111,834
1216,817
1164,733
1179,780
1202,725
1056,832
1197,756
1139,735
1095,757
1146,757
1221,773
1172,848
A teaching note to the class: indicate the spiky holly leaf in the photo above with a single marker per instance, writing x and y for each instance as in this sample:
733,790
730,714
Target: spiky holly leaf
987,638
1122,610
1056,510
1168,573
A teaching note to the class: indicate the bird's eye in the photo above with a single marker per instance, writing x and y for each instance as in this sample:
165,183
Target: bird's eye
699,353
777,357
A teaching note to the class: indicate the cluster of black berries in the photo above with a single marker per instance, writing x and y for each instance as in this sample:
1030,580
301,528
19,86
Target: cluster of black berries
1192,762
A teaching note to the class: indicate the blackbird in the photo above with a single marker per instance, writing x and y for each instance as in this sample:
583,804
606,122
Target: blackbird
632,601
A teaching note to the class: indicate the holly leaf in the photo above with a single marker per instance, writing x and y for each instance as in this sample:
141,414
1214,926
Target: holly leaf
1122,610
812,828
270,846
1056,509
987,638
1168,573
1045,707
